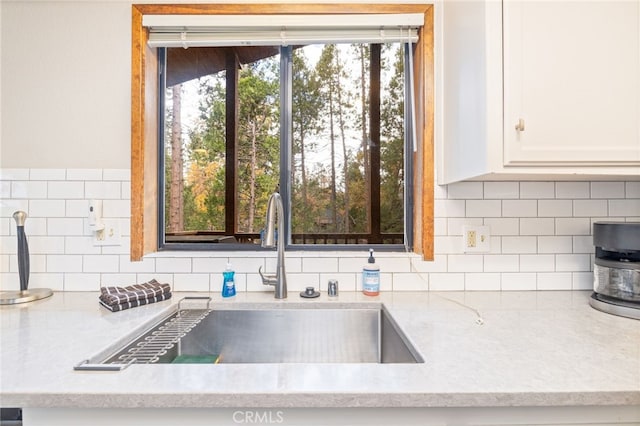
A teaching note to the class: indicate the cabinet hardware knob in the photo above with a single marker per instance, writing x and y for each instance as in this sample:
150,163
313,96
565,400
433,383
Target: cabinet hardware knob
520,125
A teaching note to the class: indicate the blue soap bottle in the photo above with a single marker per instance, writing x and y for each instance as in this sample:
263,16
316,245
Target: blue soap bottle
228,282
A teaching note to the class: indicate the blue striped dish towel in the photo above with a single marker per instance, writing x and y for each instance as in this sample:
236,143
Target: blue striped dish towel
121,298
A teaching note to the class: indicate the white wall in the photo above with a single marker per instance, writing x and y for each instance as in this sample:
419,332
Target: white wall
65,84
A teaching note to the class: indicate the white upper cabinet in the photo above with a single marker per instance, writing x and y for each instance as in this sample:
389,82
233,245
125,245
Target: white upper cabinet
539,89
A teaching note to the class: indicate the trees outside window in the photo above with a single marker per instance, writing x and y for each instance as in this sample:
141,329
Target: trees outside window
222,143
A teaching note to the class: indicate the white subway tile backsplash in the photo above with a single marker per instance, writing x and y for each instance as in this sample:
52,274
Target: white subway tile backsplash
8,207
440,192
572,190
573,226
44,245
125,190
162,278
33,226
117,174
501,263
446,281
501,190
65,190
117,279
555,244
5,190
65,226
449,208
519,208
14,174
554,281
555,208
84,174
193,282
102,190
319,264
47,280
583,244
410,282
440,226
46,208
77,208
438,264
465,263
455,224
448,245
589,208
101,263
537,190
632,190
4,263
146,265
80,245
250,265
627,207
607,190
465,190
537,263
5,226
346,282
483,208
395,264
503,226
173,265
482,281
537,226
521,244
573,262
582,281
541,238
47,174
84,282
518,281
37,263
206,264
64,263
8,243
28,189
9,281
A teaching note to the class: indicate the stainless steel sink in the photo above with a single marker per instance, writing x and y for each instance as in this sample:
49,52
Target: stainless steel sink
282,335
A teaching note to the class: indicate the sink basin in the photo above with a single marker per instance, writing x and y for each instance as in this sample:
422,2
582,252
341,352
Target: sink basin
282,335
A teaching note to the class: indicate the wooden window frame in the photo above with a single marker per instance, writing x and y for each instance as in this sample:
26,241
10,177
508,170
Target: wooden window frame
144,110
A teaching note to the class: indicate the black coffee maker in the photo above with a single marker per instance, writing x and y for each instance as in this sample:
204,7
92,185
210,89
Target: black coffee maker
616,269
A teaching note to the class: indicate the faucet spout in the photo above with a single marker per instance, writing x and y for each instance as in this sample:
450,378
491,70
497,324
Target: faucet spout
275,210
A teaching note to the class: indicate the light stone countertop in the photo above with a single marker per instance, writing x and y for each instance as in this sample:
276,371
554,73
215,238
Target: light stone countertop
534,349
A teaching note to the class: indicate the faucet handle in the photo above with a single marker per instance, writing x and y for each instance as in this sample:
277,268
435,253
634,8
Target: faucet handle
268,279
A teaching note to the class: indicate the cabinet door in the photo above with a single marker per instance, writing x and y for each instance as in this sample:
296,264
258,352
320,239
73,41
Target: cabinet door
572,82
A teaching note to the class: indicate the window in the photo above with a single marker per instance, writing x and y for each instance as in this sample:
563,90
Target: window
344,151
327,195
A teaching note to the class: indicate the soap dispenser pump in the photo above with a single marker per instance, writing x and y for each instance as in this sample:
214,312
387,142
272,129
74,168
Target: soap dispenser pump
371,276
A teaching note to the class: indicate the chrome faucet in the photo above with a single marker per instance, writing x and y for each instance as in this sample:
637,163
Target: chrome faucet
279,279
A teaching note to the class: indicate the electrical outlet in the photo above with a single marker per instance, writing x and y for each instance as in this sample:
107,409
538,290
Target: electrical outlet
476,239
110,235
